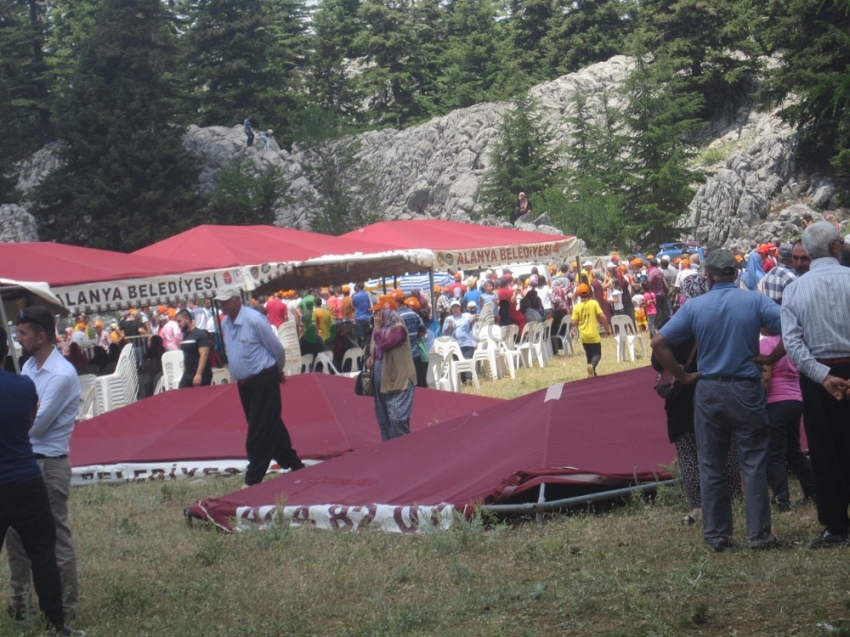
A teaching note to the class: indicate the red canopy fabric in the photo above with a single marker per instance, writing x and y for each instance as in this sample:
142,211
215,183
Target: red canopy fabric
212,246
607,431
438,234
60,265
323,415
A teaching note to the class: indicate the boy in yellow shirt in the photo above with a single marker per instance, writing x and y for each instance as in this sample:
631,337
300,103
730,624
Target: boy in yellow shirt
587,314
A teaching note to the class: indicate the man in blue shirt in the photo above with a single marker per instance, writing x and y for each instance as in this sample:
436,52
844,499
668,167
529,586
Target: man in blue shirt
24,504
361,302
58,390
730,404
256,359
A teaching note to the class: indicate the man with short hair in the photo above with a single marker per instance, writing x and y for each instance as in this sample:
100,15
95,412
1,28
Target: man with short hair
59,400
276,310
730,403
361,302
777,279
816,334
257,359
24,503
197,370
800,259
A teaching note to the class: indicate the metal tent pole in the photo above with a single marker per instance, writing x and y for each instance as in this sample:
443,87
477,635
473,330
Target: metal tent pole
542,507
9,338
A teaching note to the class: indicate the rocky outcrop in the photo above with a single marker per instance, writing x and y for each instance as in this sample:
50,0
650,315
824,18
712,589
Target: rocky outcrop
16,224
753,191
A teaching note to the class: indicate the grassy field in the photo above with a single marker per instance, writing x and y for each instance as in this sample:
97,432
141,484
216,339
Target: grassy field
627,570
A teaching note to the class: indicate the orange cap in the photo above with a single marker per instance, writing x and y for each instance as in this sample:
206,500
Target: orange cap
412,303
172,312
583,289
457,276
385,302
397,295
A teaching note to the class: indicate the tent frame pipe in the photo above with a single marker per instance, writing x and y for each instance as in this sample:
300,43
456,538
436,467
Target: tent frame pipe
9,339
543,507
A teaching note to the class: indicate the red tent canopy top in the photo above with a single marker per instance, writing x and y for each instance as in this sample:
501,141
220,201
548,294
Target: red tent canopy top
466,245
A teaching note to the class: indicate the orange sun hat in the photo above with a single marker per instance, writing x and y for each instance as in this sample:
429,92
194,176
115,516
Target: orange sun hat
385,302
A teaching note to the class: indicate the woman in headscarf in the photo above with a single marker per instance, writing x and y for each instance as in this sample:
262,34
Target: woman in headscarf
680,418
393,372
754,272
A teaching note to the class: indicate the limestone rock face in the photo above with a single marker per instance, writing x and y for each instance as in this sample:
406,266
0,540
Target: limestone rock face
754,191
16,224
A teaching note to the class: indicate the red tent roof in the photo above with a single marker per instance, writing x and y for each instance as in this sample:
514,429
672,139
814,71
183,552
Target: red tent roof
60,265
212,246
606,431
437,234
323,415
459,245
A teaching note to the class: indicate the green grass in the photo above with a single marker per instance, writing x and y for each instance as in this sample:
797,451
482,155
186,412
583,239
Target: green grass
630,570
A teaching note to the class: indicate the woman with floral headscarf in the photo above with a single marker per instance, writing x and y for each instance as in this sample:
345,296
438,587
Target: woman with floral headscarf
393,372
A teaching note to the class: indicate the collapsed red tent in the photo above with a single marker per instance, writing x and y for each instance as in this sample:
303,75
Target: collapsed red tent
600,433
202,430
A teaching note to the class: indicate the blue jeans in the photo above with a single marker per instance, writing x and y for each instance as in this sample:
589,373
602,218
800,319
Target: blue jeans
730,412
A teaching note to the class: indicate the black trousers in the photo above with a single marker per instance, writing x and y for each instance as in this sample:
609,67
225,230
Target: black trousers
25,507
268,438
593,353
784,453
827,423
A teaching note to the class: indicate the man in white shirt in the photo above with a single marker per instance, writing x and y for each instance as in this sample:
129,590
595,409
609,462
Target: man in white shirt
59,398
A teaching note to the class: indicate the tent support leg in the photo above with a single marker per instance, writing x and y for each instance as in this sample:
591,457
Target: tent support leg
541,499
541,507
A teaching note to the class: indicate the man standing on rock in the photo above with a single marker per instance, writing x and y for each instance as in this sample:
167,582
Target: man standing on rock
249,131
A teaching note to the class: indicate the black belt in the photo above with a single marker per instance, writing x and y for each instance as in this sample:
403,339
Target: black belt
267,370
41,456
752,379
834,361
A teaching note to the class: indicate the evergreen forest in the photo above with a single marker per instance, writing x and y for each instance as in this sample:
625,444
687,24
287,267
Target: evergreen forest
117,81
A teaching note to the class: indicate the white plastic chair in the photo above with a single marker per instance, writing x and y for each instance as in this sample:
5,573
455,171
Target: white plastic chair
438,372
172,369
566,337
486,316
287,334
449,350
546,339
355,356
88,395
486,352
626,334
513,357
121,387
326,361
306,364
221,376
530,345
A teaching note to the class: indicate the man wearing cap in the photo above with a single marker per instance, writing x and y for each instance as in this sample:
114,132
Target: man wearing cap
256,359
730,403
587,314
276,311
816,333
457,289
458,325
412,321
170,332
101,336
58,403
775,281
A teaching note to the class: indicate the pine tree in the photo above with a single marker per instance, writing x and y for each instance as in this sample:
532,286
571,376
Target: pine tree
812,38
244,59
127,181
344,195
522,159
528,22
660,115
239,197
590,197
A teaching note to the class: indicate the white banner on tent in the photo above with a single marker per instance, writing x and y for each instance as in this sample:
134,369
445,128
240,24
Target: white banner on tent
166,288
478,258
339,517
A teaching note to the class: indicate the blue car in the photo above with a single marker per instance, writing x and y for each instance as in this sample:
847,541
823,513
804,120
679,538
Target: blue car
673,250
